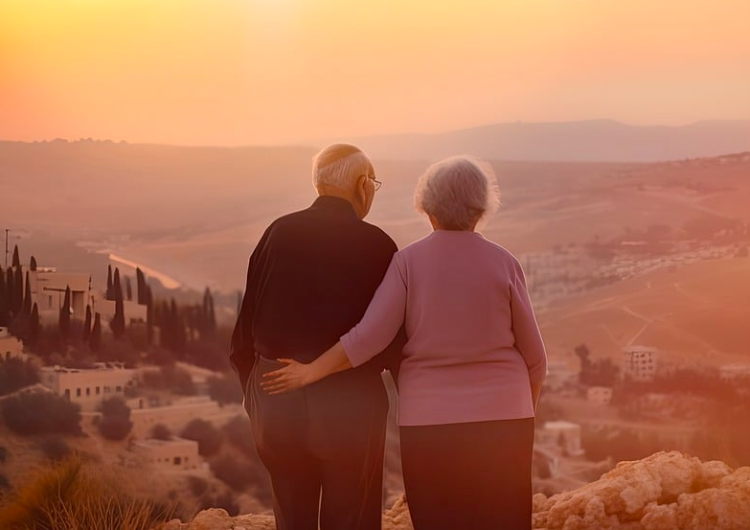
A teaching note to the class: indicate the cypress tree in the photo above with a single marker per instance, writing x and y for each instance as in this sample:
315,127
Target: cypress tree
9,290
33,336
128,289
65,315
18,291
109,294
208,324
95,341
16,259
26,311
149,315
3,300
140,281
87,325
117,323
211,314
32,264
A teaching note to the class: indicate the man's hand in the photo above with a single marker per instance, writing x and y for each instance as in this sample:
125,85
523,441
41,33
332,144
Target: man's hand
293,376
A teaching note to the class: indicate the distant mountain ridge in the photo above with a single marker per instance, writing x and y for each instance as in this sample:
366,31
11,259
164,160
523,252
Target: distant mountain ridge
602,140
579,141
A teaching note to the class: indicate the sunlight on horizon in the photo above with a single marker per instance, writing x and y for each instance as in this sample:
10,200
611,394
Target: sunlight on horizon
229,73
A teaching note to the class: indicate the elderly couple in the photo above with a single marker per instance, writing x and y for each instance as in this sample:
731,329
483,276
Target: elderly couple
330,303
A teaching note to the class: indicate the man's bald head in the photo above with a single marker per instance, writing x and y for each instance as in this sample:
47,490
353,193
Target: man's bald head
339,166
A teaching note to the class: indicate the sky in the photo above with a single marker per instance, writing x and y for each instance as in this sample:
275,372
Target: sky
262,72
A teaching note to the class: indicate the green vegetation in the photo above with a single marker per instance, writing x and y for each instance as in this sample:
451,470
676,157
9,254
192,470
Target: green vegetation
75,494
170,378
225,389
41,413
161,432
209,438
16,374
115,422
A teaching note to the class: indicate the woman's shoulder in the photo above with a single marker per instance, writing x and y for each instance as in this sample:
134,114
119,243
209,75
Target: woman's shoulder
498,250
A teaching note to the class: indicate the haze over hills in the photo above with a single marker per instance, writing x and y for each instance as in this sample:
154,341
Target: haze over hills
579,141
195,213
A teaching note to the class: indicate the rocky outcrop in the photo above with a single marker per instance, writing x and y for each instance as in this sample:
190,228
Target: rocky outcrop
665,491
662,492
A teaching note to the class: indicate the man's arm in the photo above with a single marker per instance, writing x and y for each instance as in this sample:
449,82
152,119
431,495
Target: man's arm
242,347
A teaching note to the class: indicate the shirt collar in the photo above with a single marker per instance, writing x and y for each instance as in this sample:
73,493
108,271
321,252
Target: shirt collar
333,204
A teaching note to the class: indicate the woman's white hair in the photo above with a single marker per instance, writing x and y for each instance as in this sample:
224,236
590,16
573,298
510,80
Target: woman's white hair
458,192
340,165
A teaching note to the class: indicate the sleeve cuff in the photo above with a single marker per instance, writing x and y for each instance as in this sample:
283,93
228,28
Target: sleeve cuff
356,358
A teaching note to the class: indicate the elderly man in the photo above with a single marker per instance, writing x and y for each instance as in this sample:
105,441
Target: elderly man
309,281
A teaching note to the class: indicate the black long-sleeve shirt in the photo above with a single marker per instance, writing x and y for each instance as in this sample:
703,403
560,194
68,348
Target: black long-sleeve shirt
309,281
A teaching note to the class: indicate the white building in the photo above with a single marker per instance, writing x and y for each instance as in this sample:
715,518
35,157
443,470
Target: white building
639,362
729,372
10,346
601,396
88,387
48,292
177,414
559,374
566,434
132,310
176,453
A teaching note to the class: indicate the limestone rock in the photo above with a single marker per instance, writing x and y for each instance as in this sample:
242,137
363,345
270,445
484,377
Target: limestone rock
665,491
661,492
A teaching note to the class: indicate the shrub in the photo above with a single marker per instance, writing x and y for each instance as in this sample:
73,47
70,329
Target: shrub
170,378
225,389
239,434
227,501
115,421
161,432
71,494
16,374
237,476
209,438
198,485
55,448
41,413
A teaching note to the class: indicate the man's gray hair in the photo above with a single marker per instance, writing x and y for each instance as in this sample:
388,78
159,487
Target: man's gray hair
458,192
340,165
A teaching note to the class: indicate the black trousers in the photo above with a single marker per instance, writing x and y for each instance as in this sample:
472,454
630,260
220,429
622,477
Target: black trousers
469,476
323,446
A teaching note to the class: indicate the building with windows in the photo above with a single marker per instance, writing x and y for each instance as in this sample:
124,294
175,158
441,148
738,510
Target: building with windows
88,387
177,454
48,292
639,363
601,396
566,434
177,413
734,371
10,346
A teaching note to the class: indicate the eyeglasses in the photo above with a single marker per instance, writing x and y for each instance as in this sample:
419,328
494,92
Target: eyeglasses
376,183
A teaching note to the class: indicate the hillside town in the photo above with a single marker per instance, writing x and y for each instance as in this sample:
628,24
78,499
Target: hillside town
148,382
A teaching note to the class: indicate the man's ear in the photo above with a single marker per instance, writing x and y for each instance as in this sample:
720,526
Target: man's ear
361,188
360,195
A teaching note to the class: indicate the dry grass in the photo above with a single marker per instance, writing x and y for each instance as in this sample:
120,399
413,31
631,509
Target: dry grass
81,495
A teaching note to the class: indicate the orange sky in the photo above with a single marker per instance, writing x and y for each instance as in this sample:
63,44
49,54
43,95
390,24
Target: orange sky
231,72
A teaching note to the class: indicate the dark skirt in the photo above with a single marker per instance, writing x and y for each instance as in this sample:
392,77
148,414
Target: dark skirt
469,476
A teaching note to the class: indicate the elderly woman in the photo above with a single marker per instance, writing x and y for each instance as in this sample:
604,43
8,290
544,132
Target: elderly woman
473,364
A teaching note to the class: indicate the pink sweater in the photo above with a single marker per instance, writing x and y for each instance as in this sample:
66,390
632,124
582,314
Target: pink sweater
473,348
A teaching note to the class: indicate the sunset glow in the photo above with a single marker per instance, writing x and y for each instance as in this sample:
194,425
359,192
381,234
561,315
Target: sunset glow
230,72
